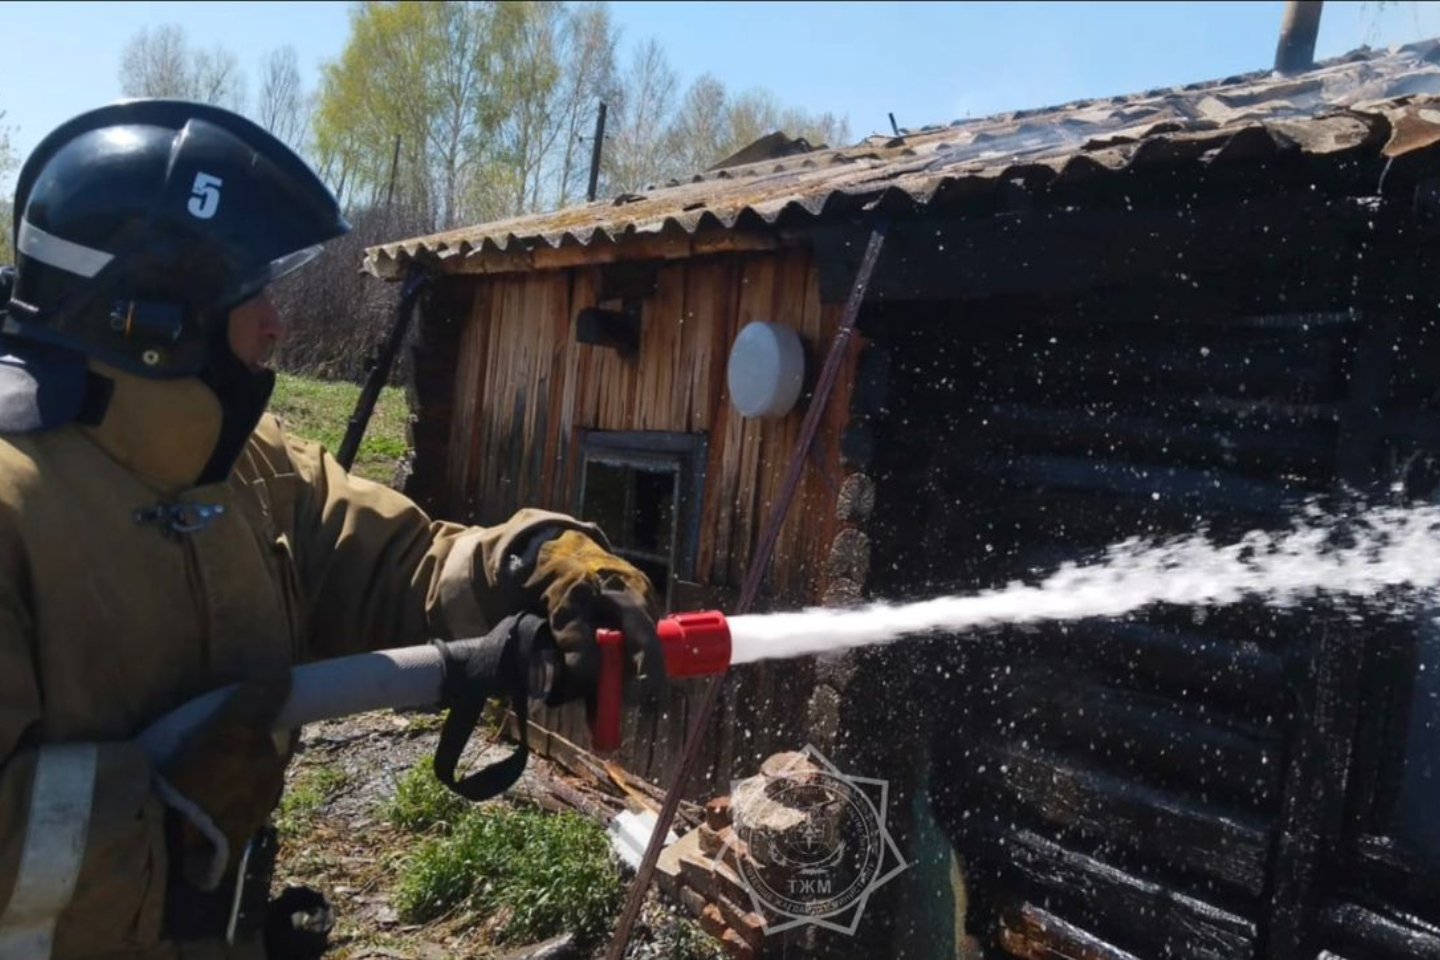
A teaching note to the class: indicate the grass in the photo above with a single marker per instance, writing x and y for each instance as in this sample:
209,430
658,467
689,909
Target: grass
683,939
529,874
320,410
422,803
314,788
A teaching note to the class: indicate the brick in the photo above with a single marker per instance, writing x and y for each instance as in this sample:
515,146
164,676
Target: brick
744,921
713,879
712,842
667,868
717,813
699,874
693,900
734,851
712,922
728,884
736,946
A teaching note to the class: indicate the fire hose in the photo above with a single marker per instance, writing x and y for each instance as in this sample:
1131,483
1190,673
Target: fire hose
518,660
693,644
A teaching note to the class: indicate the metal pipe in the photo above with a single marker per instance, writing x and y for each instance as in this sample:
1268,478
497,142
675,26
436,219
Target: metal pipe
759,563
381,363
595,149
1296,51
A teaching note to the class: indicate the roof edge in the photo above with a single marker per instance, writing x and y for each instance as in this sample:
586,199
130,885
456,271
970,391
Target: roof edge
389,261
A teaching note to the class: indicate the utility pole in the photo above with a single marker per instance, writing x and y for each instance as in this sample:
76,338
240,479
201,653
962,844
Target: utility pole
595,149
1296,51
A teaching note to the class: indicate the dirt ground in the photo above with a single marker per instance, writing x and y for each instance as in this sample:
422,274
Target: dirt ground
345,848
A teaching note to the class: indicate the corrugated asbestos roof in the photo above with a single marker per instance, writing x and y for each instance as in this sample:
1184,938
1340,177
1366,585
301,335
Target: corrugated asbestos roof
1364,98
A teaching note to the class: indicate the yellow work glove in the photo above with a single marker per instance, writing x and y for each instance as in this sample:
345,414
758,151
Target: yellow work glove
582,587
227,777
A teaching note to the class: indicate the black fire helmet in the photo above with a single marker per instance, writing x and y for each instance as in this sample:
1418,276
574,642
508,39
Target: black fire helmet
141,224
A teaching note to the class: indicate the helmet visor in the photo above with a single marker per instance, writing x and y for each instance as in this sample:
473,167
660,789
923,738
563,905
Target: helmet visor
291,262
272,271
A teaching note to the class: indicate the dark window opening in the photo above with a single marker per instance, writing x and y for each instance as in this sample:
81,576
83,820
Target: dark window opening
635,506
644,490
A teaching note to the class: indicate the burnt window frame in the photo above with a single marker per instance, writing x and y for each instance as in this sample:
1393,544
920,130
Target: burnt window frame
686,454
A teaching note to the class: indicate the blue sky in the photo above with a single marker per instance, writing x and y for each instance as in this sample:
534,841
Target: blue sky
929,62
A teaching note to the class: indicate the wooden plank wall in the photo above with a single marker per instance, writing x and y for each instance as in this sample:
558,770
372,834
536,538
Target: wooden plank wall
525,387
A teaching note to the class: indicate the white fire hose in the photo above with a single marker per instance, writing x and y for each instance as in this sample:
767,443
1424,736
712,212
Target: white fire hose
403,678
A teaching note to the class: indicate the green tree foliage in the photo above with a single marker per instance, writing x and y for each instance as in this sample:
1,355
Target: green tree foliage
432,75
493,104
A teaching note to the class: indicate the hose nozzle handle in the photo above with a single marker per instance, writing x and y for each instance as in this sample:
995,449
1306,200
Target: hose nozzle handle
694,645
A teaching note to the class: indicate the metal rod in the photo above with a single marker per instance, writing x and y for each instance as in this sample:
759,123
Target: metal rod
894,126
1295,53
595,149
379,372
759,563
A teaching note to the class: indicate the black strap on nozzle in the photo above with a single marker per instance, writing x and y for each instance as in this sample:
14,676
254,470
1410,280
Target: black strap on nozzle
495,665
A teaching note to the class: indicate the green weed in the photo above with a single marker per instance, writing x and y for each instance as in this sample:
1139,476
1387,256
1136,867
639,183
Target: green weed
536,874
422,803
311,790
682,939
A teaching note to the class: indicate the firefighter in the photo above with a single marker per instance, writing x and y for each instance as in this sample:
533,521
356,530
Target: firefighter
161,536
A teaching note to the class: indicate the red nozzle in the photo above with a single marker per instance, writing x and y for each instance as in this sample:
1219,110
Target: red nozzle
694,644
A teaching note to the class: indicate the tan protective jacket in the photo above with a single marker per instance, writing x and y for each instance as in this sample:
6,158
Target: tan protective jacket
107,623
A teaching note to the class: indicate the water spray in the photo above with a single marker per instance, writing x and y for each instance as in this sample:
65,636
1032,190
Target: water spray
1390,550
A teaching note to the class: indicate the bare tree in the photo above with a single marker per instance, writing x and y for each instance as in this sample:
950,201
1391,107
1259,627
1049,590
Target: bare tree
588,40
157,64
218,78
700,134
282,104
532,84
161,63
654,140
634,150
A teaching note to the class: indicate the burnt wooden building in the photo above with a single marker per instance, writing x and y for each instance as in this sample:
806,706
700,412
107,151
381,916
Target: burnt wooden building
1194,307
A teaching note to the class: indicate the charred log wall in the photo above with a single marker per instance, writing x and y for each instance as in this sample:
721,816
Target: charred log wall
1152,786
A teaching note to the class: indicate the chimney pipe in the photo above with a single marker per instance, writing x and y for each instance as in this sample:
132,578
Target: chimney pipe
1296,50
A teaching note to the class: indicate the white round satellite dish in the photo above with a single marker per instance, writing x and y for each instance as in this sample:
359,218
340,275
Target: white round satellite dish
767,370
